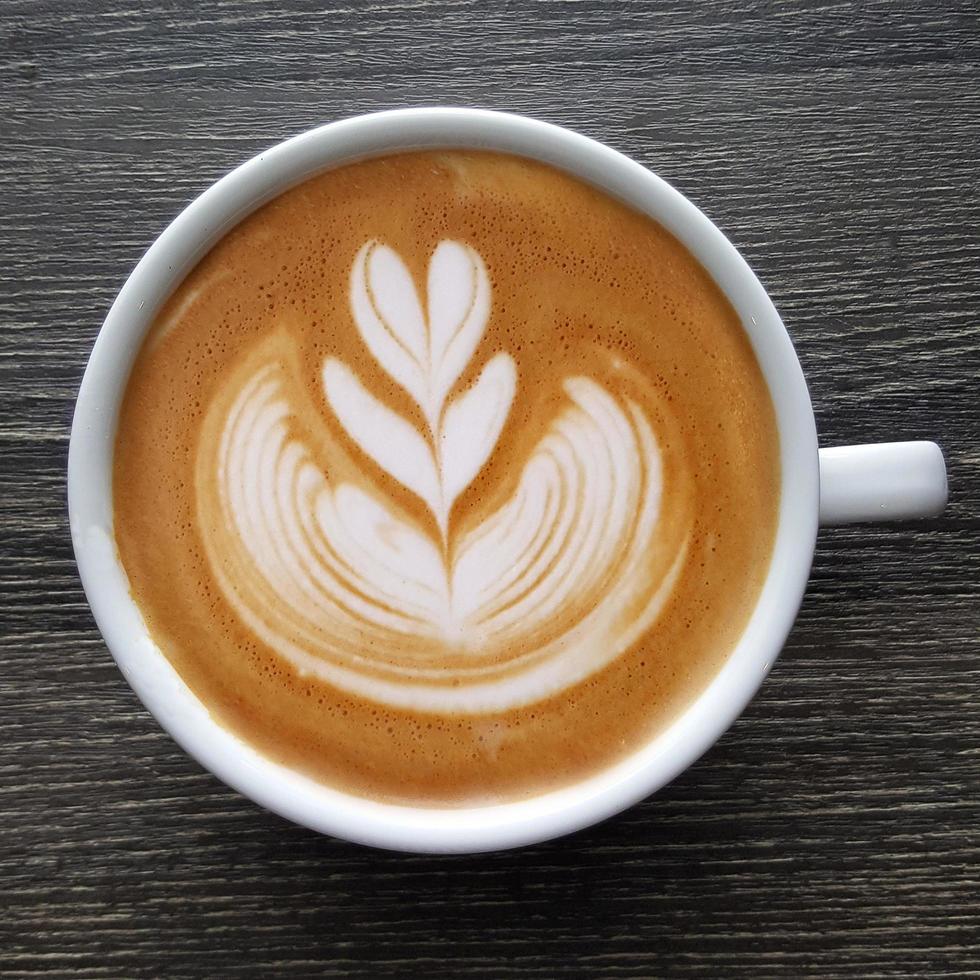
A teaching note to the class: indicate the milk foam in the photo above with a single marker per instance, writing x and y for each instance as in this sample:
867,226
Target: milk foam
332,574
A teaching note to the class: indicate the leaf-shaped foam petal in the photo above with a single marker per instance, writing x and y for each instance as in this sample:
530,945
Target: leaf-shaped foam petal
459,306
405,564
391,441
389,317
472,426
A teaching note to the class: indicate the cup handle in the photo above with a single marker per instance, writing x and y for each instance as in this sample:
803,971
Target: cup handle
887,481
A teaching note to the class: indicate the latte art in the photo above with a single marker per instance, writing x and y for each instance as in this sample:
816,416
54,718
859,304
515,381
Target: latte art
535,596
446,479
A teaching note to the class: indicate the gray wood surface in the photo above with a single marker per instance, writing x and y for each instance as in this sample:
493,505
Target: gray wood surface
834,831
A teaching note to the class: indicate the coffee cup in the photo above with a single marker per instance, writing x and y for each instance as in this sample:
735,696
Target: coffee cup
889,481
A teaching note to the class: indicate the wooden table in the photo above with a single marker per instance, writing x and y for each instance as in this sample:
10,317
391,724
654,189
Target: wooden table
834,831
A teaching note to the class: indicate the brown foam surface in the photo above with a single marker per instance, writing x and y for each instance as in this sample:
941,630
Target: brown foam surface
581,286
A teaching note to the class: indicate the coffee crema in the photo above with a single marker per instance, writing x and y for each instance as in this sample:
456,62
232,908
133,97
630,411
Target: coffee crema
445,479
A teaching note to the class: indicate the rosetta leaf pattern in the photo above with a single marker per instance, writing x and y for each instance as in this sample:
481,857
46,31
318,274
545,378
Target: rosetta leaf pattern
539,589
425,352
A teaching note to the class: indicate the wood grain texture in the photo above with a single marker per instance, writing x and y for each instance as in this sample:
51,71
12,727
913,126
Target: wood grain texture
834,831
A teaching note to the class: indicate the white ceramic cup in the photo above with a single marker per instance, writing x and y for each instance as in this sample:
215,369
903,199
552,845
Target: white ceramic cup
881,482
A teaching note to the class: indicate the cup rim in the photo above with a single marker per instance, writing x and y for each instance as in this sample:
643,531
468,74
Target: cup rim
307,802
